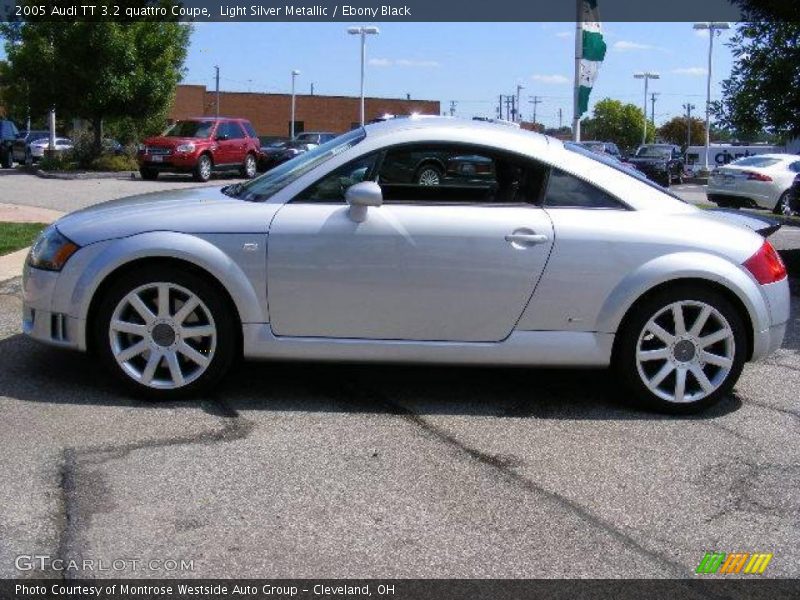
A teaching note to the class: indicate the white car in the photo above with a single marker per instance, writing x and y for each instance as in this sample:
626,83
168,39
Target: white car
761,181
38,147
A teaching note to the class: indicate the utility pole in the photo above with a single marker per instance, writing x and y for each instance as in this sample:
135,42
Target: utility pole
513,109
535,100
559,118
312,88
653,108
500,108
452,108
217,68
689,108
647,76
509,100
519,104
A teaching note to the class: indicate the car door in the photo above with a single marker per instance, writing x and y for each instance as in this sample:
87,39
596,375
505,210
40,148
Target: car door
433,263
230,144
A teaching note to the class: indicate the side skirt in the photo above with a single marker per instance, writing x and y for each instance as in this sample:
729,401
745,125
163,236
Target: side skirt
540,348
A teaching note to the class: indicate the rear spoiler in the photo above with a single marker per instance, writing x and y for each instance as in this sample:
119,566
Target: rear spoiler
764,226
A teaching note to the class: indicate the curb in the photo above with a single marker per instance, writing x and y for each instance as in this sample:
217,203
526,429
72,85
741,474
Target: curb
11,265
86,175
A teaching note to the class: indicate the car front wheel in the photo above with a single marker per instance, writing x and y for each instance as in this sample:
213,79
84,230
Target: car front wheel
202,171
250,167
682,349
165,332
784,205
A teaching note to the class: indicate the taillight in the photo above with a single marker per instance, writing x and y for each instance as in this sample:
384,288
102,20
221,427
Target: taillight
766,265
753,176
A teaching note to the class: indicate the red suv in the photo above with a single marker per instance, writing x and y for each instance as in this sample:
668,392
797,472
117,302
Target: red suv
201,146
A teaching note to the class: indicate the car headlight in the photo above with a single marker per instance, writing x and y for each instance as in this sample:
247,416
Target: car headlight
51,250
185,148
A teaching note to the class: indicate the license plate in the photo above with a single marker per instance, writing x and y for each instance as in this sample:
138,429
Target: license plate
157,158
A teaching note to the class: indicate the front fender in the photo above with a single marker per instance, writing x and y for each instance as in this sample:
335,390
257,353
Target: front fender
684,265
91,265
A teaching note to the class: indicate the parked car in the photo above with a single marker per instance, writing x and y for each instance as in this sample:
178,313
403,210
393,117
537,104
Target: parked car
21,148
609,148
8,135
285,151
662,163
794,198
761,181
38,147
314,137
576,263
201,147
270,153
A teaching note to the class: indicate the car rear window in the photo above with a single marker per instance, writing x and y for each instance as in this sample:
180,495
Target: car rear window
248,127
756,161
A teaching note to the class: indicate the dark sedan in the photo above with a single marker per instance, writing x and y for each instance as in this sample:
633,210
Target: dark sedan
662,163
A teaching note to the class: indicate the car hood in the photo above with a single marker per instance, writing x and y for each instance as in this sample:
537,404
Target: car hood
647,161
171,142
197,210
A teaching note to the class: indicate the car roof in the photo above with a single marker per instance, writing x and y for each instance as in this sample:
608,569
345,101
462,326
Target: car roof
471,131
220,119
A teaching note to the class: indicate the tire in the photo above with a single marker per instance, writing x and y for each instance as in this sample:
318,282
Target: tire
5,159
784,205
148,349
428,175
655,378
148,174
203,168
250,167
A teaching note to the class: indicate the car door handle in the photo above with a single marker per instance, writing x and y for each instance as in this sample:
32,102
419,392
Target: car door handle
527,239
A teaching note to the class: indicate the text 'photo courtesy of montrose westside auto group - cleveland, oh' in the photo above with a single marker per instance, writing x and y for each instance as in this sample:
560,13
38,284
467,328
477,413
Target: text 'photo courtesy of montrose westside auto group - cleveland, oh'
446,300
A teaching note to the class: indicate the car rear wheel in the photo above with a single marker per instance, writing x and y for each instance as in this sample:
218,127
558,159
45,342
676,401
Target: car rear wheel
681,350
148,174
429,175
784,205
166,333
202,170
250,167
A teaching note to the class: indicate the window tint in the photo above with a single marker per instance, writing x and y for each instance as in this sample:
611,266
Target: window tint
565,190
231,130
457,174
333,186
248,127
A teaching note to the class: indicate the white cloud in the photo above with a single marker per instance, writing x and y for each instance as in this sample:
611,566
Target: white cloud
403,62
550,79
565,34
691,71
625,46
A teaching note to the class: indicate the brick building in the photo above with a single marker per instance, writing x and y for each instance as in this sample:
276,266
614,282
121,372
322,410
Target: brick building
270,114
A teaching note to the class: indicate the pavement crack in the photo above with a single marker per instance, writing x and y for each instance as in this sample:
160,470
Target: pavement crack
350,393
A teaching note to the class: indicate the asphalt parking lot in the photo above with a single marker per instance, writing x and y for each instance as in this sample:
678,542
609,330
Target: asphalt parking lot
310,470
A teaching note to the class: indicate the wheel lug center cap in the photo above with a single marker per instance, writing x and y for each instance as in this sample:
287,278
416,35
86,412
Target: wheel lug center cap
163,335
684,351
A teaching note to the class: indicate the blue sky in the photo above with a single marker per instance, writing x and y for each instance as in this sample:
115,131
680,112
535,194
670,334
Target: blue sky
471,63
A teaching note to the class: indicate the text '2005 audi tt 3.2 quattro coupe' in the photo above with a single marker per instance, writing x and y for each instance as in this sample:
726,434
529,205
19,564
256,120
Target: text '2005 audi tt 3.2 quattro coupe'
551,256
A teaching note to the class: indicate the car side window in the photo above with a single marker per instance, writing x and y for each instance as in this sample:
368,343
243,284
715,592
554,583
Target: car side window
332,187
457,174
567,191
795,166
248,127
231,130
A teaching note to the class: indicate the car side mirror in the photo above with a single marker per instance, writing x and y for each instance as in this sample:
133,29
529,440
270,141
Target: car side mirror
360,197
222,137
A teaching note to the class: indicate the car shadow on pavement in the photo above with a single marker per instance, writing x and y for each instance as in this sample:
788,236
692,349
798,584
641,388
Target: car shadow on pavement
35,373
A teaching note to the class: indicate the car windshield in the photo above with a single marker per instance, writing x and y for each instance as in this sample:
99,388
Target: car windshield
612,162
756,161
278,178
190,129
653,152
593,146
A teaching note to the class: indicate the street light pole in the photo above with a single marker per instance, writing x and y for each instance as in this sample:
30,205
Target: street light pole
363,32
713,29
295,73
647,76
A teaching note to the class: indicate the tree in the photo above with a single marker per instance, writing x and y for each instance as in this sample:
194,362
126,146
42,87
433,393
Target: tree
762,91
674,131
94,70
613,121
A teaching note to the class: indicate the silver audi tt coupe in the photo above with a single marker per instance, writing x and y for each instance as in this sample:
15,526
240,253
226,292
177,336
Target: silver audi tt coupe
427,240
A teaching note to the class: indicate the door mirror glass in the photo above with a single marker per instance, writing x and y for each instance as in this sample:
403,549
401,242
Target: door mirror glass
360,197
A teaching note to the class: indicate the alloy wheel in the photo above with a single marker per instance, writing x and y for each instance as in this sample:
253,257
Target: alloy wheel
429,176
162,335
205,168
786,205
685,352
250,166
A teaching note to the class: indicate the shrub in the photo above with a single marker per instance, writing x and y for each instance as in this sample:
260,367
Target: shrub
60,162
113,162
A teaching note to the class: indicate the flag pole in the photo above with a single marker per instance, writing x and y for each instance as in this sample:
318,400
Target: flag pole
576,119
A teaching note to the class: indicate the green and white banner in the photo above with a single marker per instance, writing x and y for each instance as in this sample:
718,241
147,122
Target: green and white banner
593,51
